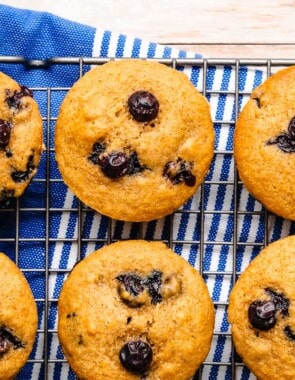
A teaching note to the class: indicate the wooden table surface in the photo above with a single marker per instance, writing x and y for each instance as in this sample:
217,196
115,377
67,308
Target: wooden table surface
214,28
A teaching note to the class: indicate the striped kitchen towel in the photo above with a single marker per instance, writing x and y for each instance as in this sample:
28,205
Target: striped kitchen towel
47,230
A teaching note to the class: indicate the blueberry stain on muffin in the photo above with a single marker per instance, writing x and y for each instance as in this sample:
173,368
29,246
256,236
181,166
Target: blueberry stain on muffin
14,98
179,171
289,332
136,290
262,314
115,164
8,340
281,302
143,106
98,149
19,176
153,282
5,130
132,283
285,141
136,356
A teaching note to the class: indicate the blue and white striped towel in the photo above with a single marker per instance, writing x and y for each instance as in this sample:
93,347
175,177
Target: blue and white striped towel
41,241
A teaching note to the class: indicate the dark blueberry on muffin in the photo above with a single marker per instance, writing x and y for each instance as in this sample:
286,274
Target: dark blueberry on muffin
290,334
7,340
98,148
143,106
13,98
262,314
134,164
19,176
115,164
281,302
132,283
179,171
153,283
285,141
136,356
5,129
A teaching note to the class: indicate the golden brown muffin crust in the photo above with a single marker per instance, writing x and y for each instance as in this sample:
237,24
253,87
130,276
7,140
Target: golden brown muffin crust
265,168
269,354
97,316
18,319
20,150
96,111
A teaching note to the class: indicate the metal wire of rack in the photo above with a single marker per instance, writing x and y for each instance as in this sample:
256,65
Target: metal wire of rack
39,206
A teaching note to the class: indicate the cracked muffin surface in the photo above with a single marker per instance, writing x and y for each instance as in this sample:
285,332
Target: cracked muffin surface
18,319
134,139
264,143
21,134
135,309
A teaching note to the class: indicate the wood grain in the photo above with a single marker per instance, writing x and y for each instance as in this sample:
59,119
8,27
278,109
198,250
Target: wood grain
215,28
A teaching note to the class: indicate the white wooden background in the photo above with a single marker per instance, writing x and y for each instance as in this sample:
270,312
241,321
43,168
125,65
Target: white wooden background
215,28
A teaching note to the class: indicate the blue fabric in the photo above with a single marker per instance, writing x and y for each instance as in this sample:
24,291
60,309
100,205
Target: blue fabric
37,240
38,35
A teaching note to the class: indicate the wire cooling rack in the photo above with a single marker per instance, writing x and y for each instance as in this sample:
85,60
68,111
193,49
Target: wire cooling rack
27,227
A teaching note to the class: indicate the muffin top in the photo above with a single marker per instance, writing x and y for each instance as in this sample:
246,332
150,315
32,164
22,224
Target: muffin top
133,309
262,312
134,139
264,143
18,319
21,134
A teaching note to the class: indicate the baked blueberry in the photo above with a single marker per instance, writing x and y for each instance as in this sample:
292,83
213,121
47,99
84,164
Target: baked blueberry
143,106
281,302
7,340
136,356
22,176
153,283
115,164
132,289
133,283
96,155
285,141
134,164
262,314
290,334
135,290
4,345
13,98
179,171
5,129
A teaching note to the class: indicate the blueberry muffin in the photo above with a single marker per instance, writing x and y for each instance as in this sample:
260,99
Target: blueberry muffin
262,312
20,138
264,143
135,310
134,139
18,319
